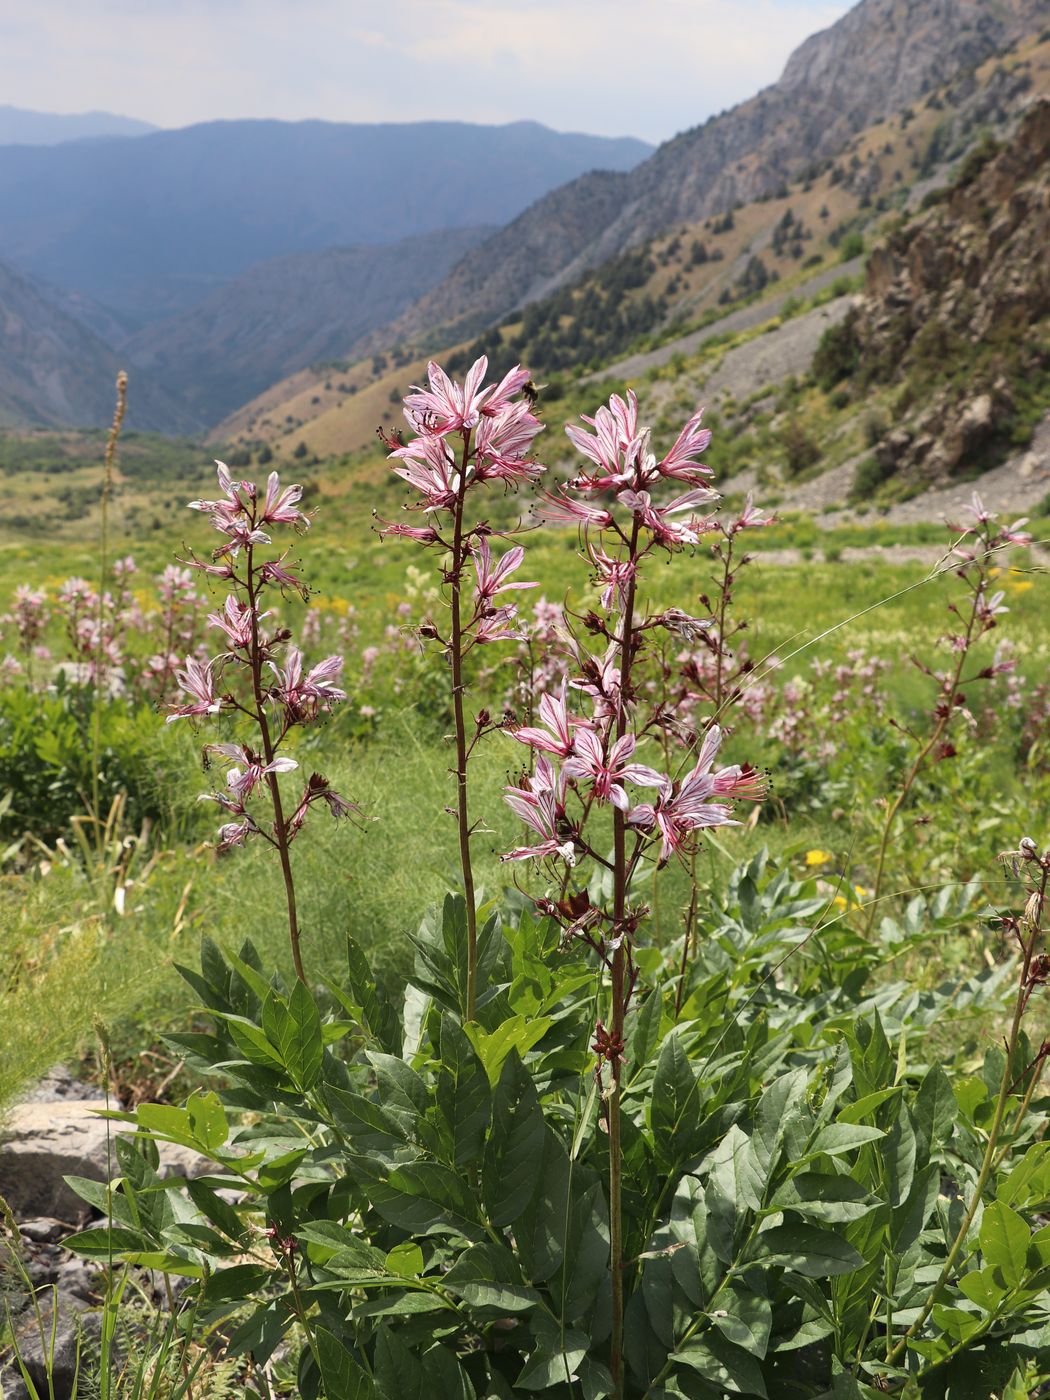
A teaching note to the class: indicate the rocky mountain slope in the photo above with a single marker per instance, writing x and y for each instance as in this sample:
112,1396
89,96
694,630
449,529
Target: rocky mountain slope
956,315
54,371
287,313
881,56
665,308
151,226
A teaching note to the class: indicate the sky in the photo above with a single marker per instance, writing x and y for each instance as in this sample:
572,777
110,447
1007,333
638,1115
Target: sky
647,68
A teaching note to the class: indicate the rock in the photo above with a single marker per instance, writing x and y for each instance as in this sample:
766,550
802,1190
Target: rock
61,1083
46,1142
76,1330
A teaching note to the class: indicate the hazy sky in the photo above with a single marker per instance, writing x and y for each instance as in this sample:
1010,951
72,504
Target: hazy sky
640,67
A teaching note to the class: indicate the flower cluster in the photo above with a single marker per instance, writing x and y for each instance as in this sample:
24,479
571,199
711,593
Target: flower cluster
462,436
587,761
258,673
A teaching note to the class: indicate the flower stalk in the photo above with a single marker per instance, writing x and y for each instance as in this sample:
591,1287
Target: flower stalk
494,426
260,677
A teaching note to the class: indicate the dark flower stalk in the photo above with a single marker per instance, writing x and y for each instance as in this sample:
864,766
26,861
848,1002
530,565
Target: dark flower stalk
620,525
246,679
464,435
1028,931
977,548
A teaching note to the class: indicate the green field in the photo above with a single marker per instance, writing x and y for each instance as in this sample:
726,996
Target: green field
66,941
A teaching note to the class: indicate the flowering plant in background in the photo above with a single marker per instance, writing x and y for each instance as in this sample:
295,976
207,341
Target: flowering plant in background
587,755
461,437
979,545
258,674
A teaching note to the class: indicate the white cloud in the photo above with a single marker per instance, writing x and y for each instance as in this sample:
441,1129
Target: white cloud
643,67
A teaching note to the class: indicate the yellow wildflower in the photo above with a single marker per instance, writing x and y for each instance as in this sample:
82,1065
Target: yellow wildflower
817,857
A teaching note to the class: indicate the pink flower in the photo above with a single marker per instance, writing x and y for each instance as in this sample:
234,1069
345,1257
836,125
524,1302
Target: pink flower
430,468
564,510
657,519
750,517
678,813
279,507
197,681
235,621
502,442
538,804
608,774
447,407
425,534
303,695
276,571
614,575
494,625
557,737
615,446
234,834
242,782
681,462
691,628
493,579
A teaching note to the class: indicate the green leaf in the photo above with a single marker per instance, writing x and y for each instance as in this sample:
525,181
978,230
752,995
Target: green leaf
812,1252
221,1214
519,1033
819,1196
839,1138
251,1041
405,1260
100,1243
341,1376
723,1364
1004,1239
513,1159
782,1103
295,1029
398,1371
646,1033
1028,1183
554,1363
733,1171
381,1020
420,1195
744,1318
935,1110
675,1109
208,1120
463,1095
866,1107
982,1287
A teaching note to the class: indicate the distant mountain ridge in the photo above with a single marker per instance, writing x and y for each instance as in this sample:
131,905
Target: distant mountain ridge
880,56
151,226
287,313
21,127
55,372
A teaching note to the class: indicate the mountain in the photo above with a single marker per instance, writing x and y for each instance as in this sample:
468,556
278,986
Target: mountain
287,313
151,226
880,57
956,311
674,299
55,372
20,127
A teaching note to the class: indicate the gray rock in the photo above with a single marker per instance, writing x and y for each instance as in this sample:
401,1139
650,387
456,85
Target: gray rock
76,1332
46,1142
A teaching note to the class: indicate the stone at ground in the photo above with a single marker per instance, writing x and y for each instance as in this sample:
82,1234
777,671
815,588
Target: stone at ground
76,1332
46,1142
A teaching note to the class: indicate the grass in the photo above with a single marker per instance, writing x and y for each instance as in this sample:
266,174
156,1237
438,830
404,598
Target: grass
64,945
